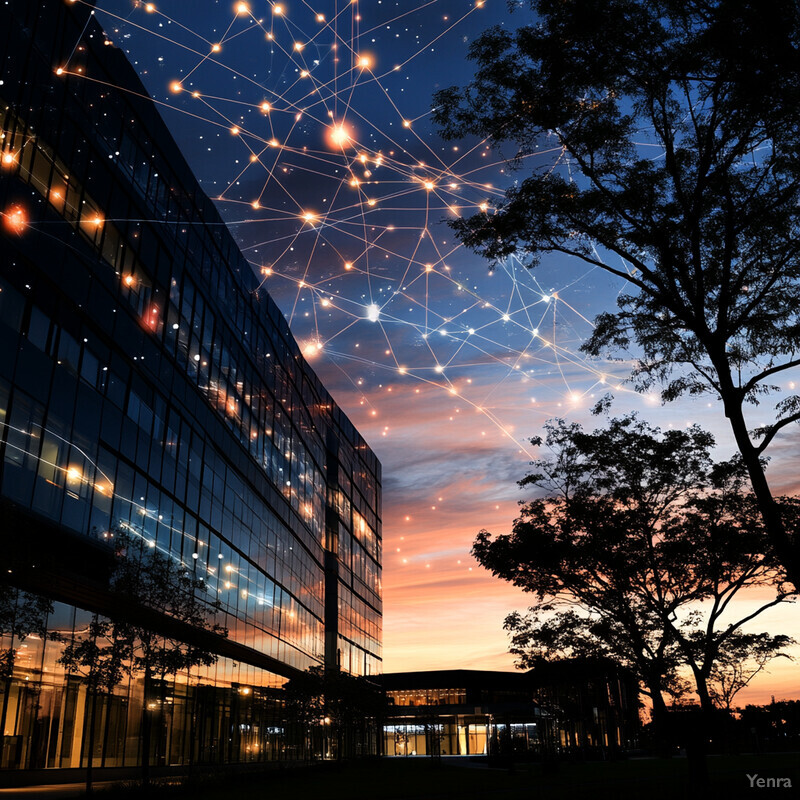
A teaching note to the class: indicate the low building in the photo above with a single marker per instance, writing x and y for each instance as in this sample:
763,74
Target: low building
574,707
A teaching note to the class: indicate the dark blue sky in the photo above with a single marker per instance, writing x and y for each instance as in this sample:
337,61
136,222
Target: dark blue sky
309,124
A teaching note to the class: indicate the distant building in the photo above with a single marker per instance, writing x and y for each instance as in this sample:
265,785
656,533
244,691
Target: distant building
149,385
576,707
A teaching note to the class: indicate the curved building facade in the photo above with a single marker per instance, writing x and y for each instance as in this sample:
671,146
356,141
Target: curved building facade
149,385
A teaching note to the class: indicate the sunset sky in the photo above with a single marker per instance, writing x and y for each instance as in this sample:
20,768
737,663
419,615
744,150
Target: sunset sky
308,123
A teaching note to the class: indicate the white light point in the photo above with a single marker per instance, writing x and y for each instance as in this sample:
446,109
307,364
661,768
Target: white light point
373,312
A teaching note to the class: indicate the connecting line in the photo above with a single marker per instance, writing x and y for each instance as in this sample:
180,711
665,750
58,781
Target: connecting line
80,36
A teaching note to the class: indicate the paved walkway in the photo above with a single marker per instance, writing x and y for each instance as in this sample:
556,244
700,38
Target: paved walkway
53,790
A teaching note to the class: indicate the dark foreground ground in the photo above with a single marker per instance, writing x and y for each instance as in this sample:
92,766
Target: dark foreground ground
461,779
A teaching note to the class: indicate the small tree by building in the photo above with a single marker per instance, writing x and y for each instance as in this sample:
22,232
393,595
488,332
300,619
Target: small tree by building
144,576
334,705
21,615
102,659
154,644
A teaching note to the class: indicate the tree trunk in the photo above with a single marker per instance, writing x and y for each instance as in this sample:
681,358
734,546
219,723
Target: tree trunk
787,552
90,759
660,719
4,712
146,731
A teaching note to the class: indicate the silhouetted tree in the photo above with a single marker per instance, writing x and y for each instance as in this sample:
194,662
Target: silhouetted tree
102,659
145,576
21,615
677,123
347,707
636,552
744,656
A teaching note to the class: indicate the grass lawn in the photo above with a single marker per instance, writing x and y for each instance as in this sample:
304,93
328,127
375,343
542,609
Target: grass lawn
457,779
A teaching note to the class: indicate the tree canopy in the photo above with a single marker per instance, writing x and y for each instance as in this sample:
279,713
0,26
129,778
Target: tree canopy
678,126
636,552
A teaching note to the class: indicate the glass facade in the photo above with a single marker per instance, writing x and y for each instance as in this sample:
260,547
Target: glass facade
149,385
560,708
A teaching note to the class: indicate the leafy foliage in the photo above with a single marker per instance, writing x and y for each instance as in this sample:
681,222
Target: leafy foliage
21,615
679,121
636,551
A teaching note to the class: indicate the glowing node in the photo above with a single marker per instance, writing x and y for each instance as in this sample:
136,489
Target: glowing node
373,312
74,474
59,71
266,107
242,8
234,131
298,47
15,219
175,87
266,271
277,9
9,158
215,48
546,298
484,206
339,135
365,62
129,280
309,217
348,265
320,18
256,205
438,368
149,8
402,370
406,123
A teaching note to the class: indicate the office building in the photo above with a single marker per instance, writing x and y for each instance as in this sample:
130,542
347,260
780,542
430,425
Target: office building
150,390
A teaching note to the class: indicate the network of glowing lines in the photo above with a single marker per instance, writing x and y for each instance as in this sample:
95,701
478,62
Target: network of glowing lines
324,164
